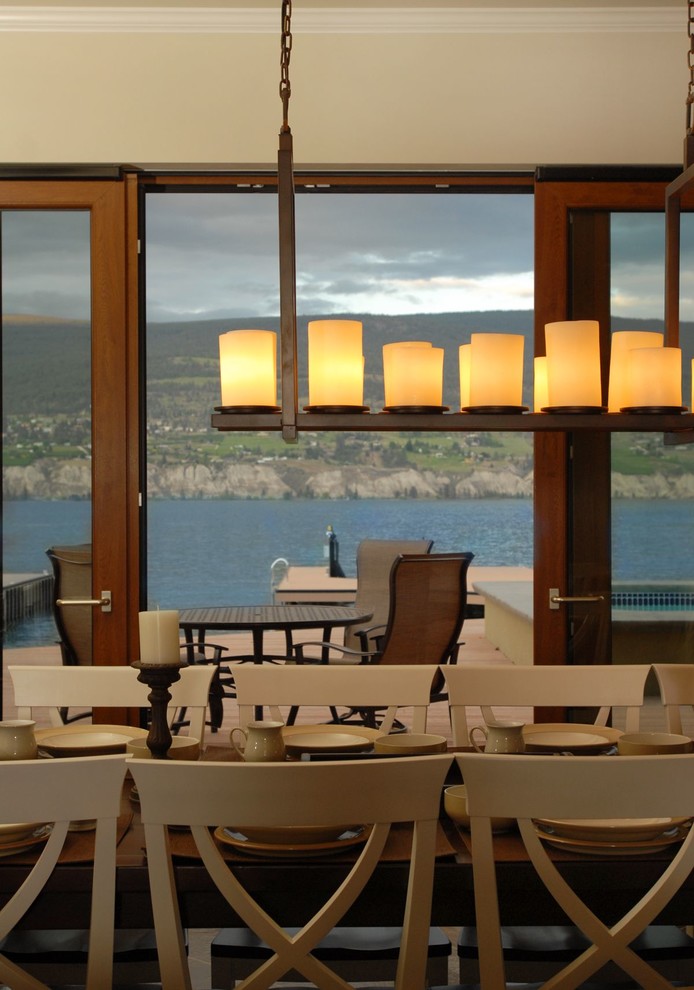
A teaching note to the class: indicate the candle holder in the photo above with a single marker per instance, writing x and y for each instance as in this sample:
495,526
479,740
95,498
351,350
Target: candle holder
159,678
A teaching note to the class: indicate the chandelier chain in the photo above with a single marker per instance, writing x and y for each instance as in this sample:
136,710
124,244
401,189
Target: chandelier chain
285,85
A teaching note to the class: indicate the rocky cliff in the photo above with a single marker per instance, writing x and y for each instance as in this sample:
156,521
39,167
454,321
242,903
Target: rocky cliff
53,479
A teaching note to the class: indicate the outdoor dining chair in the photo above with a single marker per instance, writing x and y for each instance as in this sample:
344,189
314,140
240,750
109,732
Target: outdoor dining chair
428,594
529,788
60,791
375,793
375,559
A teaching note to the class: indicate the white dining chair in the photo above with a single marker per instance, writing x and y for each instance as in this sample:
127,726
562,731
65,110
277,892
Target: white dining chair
601,686
530,787
56,687
374,793
60,791
357,686
676,686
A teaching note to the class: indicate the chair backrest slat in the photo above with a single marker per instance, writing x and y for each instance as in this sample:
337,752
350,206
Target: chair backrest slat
354,686
56,687
581,686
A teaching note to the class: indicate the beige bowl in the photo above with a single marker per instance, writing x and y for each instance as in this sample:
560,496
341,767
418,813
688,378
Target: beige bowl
293,835
182,748
18,831
455,806
410,744
645,743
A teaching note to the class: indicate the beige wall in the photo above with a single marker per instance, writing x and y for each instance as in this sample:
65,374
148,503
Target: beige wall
444,99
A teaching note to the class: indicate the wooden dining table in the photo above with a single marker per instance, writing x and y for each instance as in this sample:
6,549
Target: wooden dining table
293,889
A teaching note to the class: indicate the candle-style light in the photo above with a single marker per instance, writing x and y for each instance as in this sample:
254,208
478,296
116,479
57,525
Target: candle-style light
655,380
496,373
413,376
335,366
540,394
464,364
622,342
573,366
159,638
248,370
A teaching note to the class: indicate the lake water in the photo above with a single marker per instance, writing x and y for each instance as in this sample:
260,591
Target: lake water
221,552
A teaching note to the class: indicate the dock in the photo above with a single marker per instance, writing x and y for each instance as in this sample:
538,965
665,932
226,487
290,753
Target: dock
24,595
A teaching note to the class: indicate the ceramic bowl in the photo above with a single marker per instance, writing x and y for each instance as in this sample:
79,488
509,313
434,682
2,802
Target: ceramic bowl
182,748
455,806
16,831
293,835
410,744
645,743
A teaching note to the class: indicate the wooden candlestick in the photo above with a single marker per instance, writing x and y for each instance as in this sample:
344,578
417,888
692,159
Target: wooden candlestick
159,678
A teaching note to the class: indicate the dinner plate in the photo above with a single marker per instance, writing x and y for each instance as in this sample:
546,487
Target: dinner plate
611,829
86,740
590,847
39,834
300,739
237,840
559,737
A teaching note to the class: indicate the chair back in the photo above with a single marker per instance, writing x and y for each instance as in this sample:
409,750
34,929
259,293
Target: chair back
59,791
596,685
676,685
356,686
373,793
428,593
72,578
528,788
374,563
107,687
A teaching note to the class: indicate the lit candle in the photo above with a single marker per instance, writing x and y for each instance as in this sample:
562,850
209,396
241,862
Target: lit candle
573,363
412,374
335,363
622,342
540,396
248,367
159,638
496,369
655,377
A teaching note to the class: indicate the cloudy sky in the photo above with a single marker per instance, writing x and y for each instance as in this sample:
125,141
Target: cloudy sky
216,256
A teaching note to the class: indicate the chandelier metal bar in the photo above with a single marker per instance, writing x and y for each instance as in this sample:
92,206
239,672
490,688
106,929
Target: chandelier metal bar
289,377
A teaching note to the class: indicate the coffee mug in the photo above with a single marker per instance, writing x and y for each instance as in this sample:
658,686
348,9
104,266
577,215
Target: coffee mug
500,737
263,742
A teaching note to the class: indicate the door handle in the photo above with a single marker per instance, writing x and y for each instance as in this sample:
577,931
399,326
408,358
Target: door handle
104,602
555,599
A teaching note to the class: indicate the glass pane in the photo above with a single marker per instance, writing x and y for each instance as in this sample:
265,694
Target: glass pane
223,507
652,484
46,385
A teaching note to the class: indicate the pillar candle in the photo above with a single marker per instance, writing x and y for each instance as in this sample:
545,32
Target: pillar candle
159,638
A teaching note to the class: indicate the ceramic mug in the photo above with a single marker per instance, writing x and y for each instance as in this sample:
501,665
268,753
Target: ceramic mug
17,740
500,737
264,742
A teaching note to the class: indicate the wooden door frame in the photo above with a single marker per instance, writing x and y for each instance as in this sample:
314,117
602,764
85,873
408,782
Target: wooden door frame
115,436
569,503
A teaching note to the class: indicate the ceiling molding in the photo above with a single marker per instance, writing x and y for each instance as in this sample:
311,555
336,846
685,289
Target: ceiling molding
347,20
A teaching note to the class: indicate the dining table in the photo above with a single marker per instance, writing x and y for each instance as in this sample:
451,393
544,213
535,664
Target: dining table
195,623
292,888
